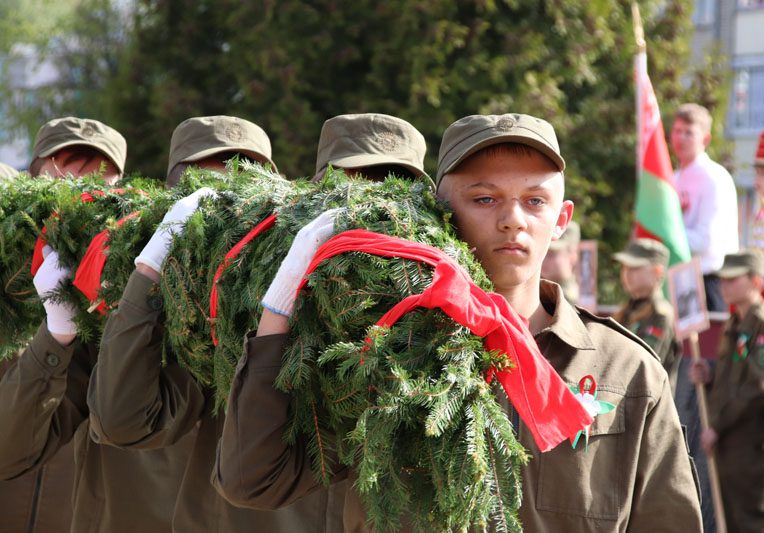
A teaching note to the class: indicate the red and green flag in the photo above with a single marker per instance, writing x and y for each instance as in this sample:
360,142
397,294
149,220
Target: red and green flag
658,211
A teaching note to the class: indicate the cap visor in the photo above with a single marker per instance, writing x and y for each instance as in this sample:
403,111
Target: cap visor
732,272
509,138
630,260
246,150
371,160
56,148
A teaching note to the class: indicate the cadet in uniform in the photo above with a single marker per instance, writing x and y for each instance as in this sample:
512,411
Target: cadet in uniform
43,394
561,260
136,402
502,175
648,314
736,401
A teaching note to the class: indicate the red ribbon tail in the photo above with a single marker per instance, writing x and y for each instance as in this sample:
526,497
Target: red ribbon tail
264,225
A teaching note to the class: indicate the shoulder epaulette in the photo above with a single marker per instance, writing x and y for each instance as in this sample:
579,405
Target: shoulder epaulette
760,312
664,307
612,324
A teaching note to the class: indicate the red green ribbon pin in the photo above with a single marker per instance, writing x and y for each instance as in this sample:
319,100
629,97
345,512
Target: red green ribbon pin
653,331
741,348
586,393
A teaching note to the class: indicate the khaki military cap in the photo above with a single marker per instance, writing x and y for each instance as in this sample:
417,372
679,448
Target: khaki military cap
200,137
7,171
569,239
70,131
369,139
469,134
643,252
749,261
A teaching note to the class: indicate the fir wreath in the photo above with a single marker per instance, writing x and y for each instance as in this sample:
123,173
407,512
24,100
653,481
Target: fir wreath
72,212
407,407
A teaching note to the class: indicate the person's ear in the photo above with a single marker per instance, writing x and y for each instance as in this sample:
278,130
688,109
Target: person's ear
563,219
706,139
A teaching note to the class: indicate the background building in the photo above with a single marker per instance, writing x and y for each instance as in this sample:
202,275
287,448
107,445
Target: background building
737,25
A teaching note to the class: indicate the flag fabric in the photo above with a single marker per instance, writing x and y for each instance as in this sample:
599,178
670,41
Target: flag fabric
658,211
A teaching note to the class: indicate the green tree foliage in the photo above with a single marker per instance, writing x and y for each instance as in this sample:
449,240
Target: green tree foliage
290,65
56,59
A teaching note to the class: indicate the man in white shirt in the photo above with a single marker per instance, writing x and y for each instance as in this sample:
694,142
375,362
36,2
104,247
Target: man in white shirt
708,197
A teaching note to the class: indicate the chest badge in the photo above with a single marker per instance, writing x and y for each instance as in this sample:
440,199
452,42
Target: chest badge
653,331
586,393
741,348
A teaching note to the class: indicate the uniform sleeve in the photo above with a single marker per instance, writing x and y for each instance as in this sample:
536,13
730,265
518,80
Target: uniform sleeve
42,402
255,467
665,493
134,400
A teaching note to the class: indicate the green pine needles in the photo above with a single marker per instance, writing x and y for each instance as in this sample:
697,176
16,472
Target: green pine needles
407,408
72,213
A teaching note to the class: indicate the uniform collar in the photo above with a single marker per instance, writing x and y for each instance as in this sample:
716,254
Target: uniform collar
566,322
751,318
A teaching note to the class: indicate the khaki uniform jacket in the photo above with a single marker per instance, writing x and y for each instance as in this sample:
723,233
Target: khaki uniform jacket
43,407
40,500
652,320
736,412
635,474
139,403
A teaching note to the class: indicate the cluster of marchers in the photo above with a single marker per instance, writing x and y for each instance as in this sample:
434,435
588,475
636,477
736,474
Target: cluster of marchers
408,406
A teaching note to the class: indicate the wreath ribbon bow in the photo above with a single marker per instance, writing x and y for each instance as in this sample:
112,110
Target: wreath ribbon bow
537,392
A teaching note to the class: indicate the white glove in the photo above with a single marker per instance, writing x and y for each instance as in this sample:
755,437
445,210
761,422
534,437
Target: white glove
283,290
155,252
49,276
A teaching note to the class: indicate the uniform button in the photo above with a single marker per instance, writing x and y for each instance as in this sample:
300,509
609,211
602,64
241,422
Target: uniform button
155,302
52,359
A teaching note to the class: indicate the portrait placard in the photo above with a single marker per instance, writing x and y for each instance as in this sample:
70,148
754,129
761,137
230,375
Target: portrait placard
685,283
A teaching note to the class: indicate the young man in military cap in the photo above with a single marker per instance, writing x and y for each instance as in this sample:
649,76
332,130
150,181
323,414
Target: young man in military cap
43,395
560,262
736,402
209,142
648,314
78,147
502,175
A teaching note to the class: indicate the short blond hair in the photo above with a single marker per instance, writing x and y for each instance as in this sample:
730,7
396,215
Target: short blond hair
695,114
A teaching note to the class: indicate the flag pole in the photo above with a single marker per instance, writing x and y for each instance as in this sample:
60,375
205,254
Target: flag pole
639,32
713,472
639,40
